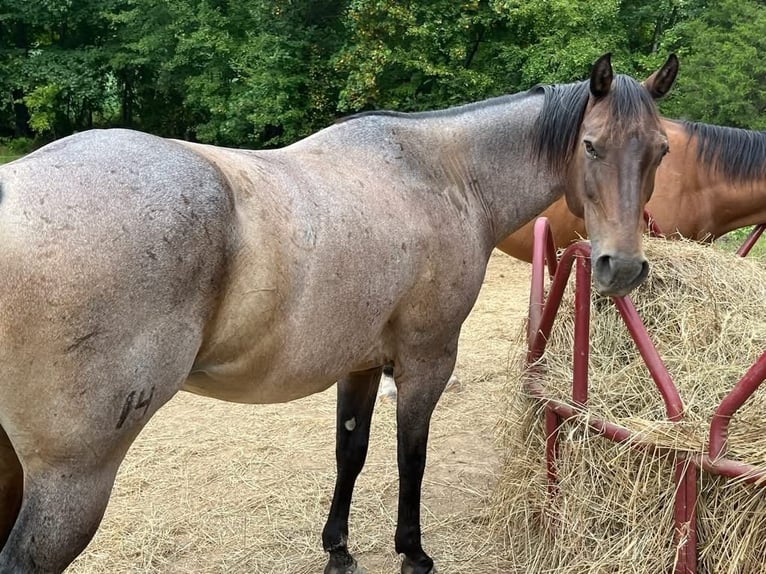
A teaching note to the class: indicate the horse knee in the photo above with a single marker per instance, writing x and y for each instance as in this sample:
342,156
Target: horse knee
60,511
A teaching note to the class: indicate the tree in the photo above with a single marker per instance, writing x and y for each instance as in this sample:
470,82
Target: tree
267,72
55,74
421,54
723,74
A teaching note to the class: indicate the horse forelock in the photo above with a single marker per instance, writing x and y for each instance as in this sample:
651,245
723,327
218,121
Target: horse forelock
737,154
558,125
630,104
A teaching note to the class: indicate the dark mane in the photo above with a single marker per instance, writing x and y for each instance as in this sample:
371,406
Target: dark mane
558,125
738,154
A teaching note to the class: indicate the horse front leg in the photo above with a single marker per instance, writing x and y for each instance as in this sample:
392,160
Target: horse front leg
419,389
356,401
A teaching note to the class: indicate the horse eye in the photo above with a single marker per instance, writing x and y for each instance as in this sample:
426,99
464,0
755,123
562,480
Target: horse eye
665,150
590,151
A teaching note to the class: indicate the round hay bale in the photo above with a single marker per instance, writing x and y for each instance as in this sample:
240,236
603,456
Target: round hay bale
613,512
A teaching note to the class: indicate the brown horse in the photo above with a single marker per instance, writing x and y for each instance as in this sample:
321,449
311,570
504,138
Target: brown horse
133,267
713,181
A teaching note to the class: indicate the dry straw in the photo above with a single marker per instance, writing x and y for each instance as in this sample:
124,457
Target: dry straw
706,312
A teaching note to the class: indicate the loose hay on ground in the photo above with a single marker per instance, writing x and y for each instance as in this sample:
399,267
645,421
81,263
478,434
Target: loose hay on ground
706,312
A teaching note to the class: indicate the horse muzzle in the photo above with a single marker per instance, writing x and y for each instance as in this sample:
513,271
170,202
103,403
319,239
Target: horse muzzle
617,275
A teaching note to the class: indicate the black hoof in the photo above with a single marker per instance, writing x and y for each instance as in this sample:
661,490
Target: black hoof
411,567
343,566
354,569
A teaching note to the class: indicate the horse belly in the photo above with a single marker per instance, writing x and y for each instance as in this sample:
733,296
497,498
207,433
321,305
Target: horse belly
285,366
287,358
255,390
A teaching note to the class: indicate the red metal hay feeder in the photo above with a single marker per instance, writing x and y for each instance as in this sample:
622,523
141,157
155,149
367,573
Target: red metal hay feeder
542,313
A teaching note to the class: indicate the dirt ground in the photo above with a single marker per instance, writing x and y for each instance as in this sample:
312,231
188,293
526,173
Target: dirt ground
216,487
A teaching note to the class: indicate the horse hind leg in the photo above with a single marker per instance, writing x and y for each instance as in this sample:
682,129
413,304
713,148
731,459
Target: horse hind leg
356,402
387,387
69,469
61,509
11,486
70,460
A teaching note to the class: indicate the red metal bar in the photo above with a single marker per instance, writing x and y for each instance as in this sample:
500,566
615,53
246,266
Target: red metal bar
612,431
743,390
552,425
686,517
743,472
543,252
673,404
581,332
542,316
540,332
751,240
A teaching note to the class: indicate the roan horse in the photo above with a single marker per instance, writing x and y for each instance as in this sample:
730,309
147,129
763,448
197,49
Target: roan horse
134,267
712,182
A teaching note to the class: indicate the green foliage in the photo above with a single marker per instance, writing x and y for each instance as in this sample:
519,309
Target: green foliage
733,240
723,78
42,105
267,72
584,31
14,148
227,72
420,55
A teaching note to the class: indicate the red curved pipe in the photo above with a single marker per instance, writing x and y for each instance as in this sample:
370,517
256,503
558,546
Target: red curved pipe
751,240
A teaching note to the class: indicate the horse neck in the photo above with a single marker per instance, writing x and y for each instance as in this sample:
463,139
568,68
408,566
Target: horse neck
713,202
735,204
484,155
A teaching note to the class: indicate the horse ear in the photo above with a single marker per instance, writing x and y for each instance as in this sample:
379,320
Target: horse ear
659,82
601,76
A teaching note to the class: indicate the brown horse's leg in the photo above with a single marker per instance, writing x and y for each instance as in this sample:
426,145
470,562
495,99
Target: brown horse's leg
11,486
419,389
356,401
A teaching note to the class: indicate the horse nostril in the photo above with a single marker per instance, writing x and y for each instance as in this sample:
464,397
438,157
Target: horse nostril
617,275
604,267
644,271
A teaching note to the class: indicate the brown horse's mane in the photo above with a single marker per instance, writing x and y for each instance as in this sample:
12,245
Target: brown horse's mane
738,154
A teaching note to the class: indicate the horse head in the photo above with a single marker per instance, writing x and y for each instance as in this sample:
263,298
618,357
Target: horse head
611,175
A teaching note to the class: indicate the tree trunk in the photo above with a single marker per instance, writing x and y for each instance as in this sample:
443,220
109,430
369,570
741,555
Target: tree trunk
21,116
